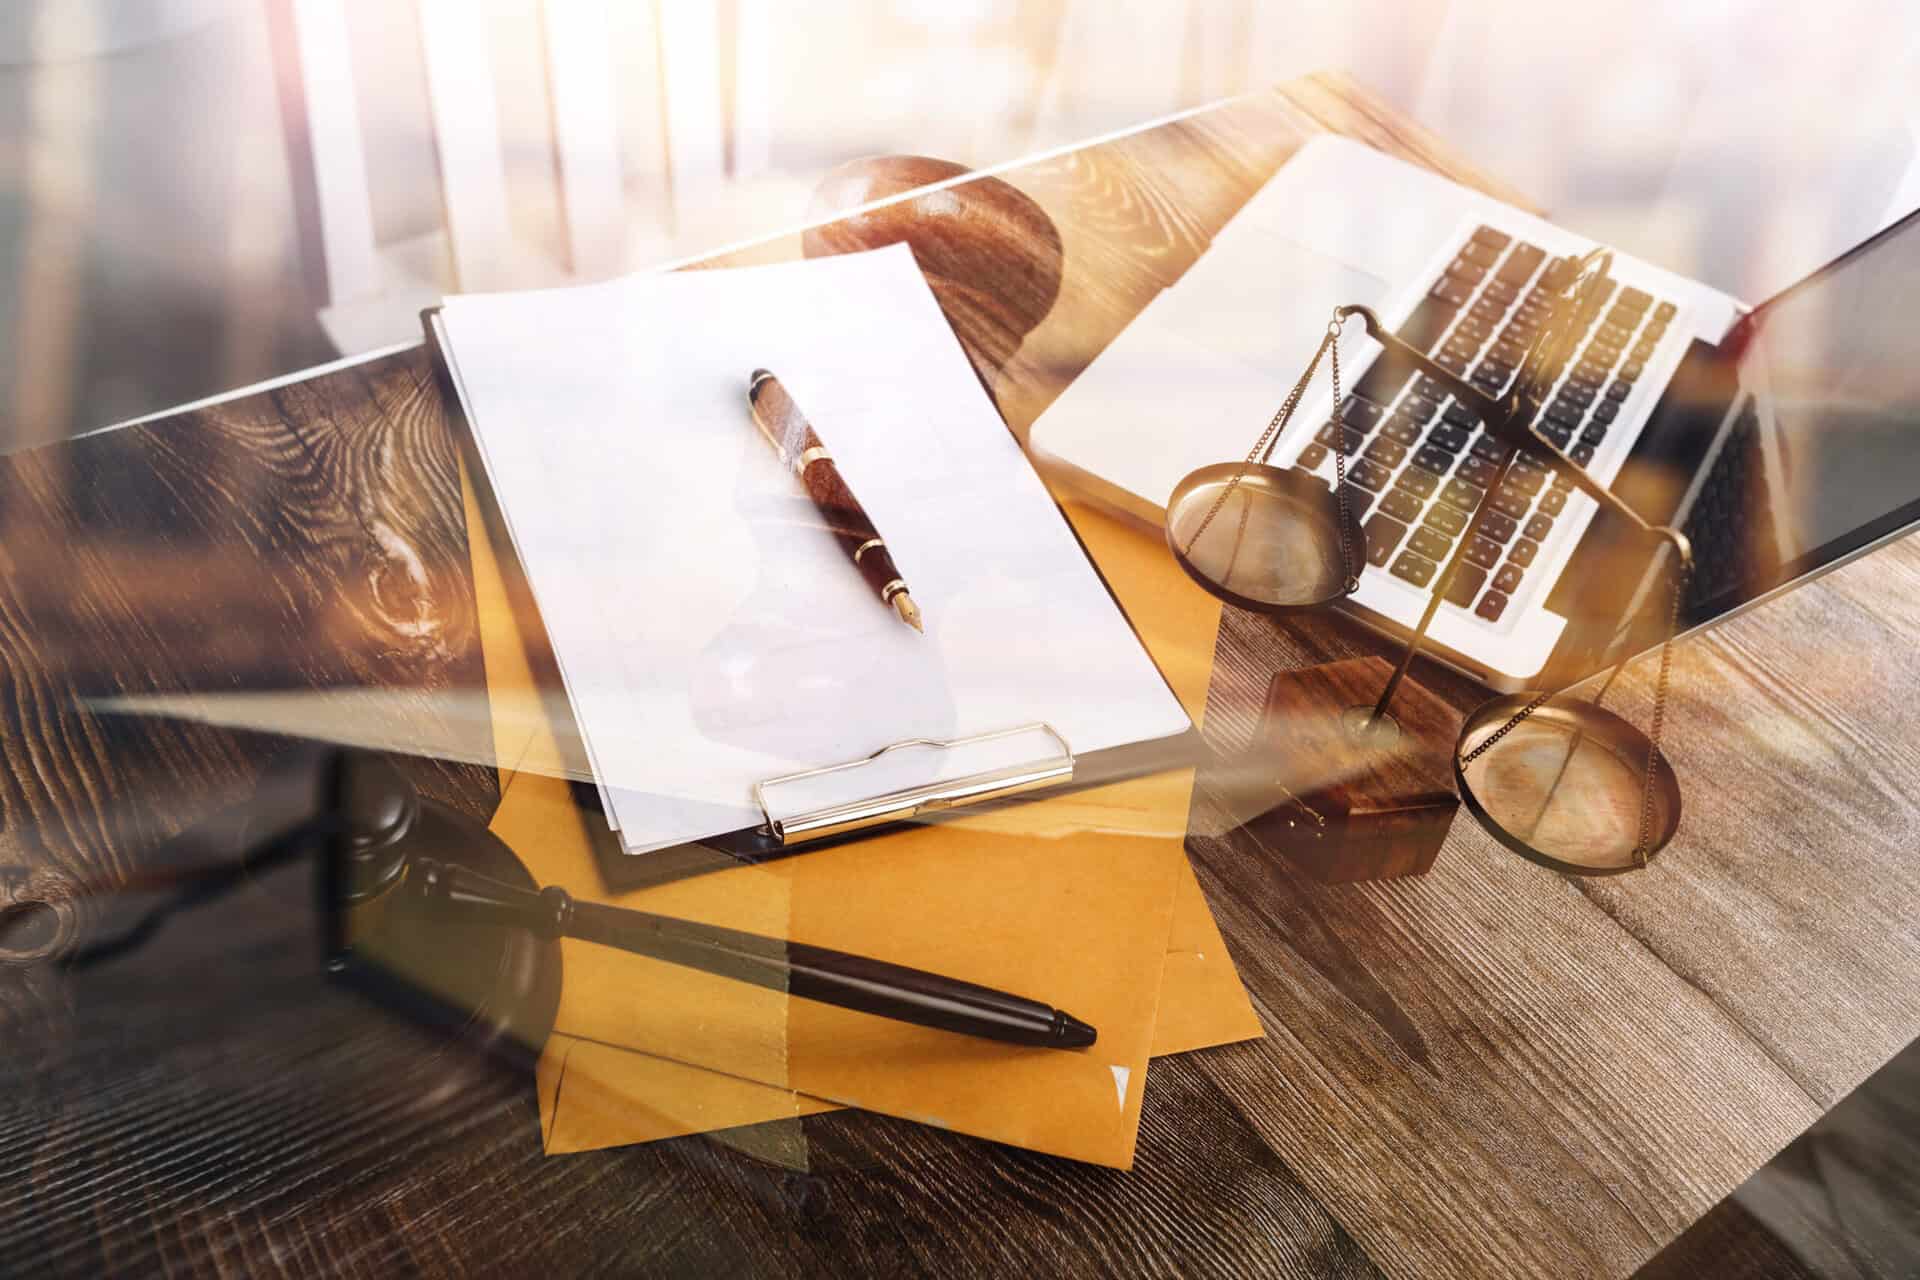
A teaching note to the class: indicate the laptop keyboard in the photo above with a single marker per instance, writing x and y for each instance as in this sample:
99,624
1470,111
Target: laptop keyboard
1418,462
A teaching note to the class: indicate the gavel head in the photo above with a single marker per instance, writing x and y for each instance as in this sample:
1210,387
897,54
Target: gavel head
990,253
377,809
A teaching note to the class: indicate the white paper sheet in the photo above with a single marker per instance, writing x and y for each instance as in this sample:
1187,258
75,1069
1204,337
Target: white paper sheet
711,634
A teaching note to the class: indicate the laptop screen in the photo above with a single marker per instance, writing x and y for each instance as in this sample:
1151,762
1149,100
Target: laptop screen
1820,460
1835,362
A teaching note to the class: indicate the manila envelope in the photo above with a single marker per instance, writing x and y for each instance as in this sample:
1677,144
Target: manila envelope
697,1053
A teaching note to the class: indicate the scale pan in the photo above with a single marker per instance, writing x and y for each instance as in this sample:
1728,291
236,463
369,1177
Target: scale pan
1563,788
1272,547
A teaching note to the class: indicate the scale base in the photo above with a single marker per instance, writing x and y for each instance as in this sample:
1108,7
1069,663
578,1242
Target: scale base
1357,799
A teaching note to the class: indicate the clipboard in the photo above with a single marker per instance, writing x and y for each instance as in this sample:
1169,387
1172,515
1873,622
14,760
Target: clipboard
1031,759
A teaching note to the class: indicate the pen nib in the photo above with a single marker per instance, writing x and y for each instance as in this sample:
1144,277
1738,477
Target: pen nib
909,611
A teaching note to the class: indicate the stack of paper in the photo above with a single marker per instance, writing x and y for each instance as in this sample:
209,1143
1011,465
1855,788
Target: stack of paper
709,631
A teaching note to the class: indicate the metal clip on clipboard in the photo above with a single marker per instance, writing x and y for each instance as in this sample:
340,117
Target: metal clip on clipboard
822,814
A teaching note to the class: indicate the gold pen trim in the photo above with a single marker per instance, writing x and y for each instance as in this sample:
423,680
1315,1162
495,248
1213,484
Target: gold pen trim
892,589
867,546
816,454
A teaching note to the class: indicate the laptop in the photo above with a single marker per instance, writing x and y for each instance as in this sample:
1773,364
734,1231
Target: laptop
1782,438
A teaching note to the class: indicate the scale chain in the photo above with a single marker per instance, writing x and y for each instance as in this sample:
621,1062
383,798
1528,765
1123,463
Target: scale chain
1264,446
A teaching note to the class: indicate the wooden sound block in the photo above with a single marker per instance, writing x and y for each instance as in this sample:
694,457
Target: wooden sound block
1354,802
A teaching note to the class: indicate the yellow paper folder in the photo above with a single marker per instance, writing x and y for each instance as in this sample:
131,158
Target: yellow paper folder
1072,900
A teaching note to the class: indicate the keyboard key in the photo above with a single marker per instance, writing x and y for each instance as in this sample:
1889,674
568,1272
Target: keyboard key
1507,580
1450,290
1539,527
1451,363
1566,415
1491,606
1401,505
1558,273
1460,416
1386,452
1620,390
1509,354
1461,495
1491,238
1481,254
1452,439
1605,411
1561,481
1664,312
1631,371
1446,519
1414,568
1364,414
1497,528
1522,552
1465,268
1509,501
1482,553
1430,543
1492,376
1581,396
1581,453
1501,291
1430,389
1557,432
1418,481
1490,449
1473,327
1383,535
1521,264
1345,439
1358,500
1634,300
1460,347
1466,584
1312,456
1475,470
1595,433
1529,480
1424,327
1401,430
1438,461
1369,475
1419,408
1643,350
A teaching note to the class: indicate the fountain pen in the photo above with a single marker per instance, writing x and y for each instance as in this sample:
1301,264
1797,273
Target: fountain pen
794,439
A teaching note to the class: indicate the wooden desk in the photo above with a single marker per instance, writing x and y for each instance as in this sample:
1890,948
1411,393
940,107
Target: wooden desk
1490,1070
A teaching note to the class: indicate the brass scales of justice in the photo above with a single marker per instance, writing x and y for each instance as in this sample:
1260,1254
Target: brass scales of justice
1565,783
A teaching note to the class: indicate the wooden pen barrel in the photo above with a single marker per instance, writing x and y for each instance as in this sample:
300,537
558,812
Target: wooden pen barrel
799,445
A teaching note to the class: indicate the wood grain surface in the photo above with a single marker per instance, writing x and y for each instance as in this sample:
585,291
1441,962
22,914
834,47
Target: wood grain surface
1488,1070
